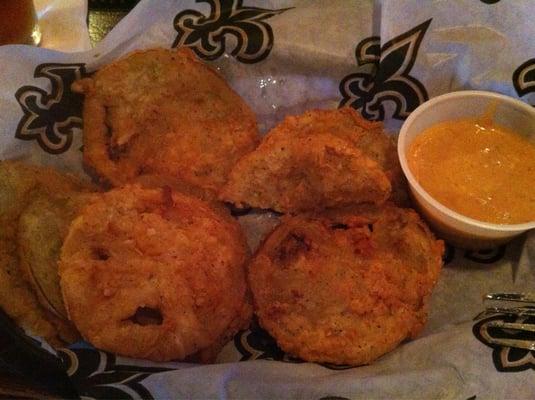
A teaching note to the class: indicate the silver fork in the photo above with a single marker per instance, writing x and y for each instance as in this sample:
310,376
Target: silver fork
520,305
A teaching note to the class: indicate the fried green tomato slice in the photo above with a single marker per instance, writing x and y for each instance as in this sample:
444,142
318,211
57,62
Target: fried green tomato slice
345,287
295,174
19,184
347,125
367,136
154,274
163,112
43,226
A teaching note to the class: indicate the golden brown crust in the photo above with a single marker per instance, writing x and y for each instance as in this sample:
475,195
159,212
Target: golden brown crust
18,184
163,112
346,125
42,228
295,174
241,321
155,181
346,286
136,249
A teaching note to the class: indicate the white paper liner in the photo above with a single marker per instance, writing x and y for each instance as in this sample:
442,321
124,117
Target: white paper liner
466,44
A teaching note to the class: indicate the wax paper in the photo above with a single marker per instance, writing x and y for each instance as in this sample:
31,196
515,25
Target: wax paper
383,58
63,24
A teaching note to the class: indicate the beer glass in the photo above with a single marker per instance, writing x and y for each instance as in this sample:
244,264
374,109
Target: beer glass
18,22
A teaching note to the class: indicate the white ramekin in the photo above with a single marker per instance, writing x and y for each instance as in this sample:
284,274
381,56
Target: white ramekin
452,226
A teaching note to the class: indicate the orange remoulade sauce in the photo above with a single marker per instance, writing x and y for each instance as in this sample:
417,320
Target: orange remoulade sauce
478,169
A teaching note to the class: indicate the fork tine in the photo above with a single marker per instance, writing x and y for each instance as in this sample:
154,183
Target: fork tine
518,311
520,344
515,297
517,326
525,311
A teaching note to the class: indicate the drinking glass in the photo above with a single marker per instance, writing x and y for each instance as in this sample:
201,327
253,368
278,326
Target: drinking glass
18,23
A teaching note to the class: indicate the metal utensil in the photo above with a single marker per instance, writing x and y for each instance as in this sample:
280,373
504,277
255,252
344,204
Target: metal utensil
519,310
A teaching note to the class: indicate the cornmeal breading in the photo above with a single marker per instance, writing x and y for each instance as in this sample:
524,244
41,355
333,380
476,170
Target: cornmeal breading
347,286
42,228
163,112
265,177
19,184
151,273
296,174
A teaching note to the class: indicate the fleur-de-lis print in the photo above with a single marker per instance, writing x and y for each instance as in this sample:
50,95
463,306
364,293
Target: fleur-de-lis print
506,359
97,375
368,51
51,117
257,344
390,79
488,256
524,78
207,35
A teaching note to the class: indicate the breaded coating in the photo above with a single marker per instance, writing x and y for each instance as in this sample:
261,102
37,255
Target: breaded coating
17,299
344,123
154,274
346,286
241,321
163,112
154,181
43,226
18,185
369,137
295,174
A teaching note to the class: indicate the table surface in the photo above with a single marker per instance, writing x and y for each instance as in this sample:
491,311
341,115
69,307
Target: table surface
103,15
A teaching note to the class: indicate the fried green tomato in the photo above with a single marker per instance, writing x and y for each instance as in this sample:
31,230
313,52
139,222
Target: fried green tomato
163,112
369,137
296,174
43,226
19,183
257,179
154,274
345,287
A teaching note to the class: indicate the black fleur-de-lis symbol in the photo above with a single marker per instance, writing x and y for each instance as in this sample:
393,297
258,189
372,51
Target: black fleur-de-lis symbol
257,344
98,375
51,117
390,78
505,358
207,35
368,51
488,256
524,78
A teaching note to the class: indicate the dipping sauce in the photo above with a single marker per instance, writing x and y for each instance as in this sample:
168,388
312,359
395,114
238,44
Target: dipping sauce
478,169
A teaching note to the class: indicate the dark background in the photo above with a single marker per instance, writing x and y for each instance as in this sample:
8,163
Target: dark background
22,374
103,15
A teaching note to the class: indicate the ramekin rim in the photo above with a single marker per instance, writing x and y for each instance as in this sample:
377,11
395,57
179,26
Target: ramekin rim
421,191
